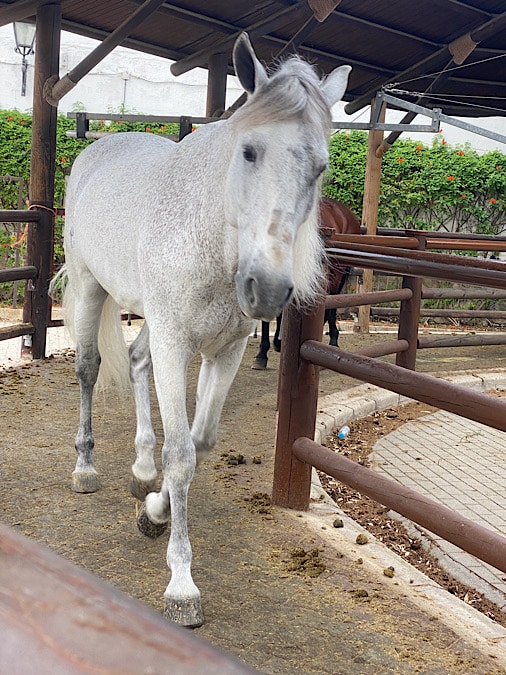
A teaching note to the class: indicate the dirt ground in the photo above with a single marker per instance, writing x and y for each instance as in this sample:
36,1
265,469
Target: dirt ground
274,593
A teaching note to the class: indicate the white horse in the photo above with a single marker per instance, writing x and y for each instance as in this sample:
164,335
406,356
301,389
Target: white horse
223,225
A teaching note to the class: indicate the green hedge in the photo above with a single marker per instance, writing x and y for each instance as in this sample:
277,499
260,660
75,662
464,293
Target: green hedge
438,187
15,142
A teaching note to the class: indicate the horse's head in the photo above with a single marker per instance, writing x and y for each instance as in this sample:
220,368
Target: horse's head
280,152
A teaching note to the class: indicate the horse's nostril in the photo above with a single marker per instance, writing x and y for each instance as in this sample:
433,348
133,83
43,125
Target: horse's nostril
289,295
249,288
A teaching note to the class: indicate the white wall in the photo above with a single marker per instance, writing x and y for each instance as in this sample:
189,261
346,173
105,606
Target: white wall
144,84
126,78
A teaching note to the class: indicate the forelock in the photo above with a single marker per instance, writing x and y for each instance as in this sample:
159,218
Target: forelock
292,92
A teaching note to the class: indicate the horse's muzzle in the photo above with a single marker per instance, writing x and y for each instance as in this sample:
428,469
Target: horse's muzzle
261,297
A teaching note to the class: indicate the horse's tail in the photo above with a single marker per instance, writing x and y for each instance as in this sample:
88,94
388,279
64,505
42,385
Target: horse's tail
114,364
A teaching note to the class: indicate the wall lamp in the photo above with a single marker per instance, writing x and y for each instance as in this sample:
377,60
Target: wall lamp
24,34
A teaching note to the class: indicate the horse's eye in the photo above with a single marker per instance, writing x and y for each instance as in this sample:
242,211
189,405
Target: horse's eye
249,153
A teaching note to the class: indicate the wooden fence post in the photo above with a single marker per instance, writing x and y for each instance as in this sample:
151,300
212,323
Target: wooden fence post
409,317
298,398
372,187
42,167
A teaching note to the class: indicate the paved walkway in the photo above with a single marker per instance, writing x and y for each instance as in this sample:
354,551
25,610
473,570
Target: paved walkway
460,464
457,462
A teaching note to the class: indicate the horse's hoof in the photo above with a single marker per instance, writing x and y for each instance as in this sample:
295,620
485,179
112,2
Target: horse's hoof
85,481
184,612
140,488
259,364
277,345
147,527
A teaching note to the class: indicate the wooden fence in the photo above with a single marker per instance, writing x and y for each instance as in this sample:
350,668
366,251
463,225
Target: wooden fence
303,354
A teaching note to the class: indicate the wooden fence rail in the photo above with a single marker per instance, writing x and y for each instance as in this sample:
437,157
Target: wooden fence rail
57,618
463,532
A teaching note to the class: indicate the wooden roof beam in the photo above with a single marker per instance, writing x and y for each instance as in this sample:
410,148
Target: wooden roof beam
22,9
482,32
200,58
55,89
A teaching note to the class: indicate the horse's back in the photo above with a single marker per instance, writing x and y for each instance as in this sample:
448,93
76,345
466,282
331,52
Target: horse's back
338,217
114,161
107,205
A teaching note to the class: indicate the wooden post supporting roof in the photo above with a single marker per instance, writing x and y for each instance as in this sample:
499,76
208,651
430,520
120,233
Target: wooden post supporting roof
42,167
216,84
370,211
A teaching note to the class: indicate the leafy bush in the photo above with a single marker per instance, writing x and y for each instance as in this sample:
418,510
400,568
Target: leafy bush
15,145
436,188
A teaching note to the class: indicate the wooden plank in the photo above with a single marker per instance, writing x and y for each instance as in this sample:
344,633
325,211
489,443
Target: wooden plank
16,330
55,618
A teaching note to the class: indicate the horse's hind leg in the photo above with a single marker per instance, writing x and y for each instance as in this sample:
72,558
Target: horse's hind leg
143,469
87,313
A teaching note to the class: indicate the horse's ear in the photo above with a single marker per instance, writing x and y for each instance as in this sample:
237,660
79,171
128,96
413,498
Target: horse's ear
248,68
334,85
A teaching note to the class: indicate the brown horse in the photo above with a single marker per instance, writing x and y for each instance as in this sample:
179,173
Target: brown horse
334,218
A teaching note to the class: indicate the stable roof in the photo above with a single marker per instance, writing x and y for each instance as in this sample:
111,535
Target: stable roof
400,41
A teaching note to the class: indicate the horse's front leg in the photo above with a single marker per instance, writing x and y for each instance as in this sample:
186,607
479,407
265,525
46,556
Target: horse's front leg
331,318
182,597
143,470
215,377
260,360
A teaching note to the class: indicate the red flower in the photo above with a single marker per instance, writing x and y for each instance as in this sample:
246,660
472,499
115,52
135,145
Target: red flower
400,159
63,160
498,167
461,152
419,147
352,185
148,129
10,118
443,142
493,201
451,177
463,196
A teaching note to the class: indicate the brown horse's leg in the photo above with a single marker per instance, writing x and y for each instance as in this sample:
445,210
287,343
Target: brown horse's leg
277,341
260,360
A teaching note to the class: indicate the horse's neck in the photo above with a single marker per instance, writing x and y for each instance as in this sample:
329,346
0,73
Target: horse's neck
198,168
340,218
205,156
